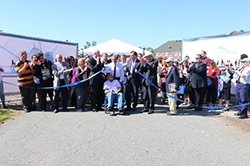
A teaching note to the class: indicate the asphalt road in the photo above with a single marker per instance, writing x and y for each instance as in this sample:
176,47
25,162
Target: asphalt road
87,138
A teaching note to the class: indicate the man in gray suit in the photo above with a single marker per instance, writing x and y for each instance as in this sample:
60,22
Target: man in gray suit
60,71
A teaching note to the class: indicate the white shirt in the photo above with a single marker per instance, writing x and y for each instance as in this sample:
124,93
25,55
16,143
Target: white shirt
61,68
114,85
119,70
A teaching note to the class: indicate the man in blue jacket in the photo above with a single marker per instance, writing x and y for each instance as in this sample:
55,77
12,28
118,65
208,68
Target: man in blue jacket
172,85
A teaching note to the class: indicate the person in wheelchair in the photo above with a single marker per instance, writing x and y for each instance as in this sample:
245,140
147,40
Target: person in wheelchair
112,89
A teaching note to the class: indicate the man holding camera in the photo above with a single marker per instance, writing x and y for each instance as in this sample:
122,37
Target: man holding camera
198,82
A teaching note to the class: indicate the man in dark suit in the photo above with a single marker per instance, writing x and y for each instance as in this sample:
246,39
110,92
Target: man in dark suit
172,85
198,82
96,83
148,67
131,81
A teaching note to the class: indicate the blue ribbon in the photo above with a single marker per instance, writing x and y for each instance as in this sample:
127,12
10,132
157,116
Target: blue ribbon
56,87
206,107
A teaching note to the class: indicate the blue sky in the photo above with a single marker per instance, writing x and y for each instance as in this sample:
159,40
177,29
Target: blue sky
148,23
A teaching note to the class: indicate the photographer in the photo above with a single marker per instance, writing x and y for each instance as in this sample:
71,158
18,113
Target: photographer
198,82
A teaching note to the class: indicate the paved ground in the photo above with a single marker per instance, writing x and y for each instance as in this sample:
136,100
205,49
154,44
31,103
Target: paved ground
87,138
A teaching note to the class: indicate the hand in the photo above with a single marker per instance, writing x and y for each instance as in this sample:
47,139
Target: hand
98,60
174,90
191,65
143,61
26,64
136,71
45,78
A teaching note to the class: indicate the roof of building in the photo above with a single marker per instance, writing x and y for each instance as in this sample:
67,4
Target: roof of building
172,45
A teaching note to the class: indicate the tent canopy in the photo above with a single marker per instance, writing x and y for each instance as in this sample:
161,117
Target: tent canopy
114,46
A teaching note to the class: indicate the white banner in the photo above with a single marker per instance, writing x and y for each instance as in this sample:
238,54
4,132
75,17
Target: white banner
219,48
11,45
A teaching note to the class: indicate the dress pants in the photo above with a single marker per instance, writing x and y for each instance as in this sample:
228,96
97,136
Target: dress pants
197,95
44,93
81,93
64,96
97,96
172,103
242,97
131,94
149,97
211,94
27,93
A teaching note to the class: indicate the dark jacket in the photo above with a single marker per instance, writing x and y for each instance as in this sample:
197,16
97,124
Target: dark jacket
149,69
79,76
94,68
38,73
172,77
134,77
198,75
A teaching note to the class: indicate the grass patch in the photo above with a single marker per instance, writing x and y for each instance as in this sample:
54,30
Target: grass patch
7,113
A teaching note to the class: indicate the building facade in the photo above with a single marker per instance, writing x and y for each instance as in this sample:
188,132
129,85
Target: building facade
172,48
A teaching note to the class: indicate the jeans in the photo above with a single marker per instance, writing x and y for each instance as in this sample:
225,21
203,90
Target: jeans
2,93
111,96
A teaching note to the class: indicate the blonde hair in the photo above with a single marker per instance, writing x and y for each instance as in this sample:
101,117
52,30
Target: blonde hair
81,60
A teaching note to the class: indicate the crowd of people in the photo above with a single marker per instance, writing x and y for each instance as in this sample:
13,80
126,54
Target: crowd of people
118,78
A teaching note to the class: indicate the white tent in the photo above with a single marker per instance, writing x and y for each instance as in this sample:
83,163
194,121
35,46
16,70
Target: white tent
114,46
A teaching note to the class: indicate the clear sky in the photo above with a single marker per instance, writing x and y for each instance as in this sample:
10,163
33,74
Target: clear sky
141,23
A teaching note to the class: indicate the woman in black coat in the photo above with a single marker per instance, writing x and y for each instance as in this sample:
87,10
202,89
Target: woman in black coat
82,73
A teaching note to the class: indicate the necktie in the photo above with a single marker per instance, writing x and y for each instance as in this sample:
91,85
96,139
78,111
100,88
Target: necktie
238,80
115,70
132,67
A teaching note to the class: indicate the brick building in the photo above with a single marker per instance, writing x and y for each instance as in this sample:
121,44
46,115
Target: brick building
171,48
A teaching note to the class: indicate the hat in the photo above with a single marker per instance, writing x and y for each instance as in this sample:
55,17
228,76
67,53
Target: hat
169,60
243,56
147,55
244,60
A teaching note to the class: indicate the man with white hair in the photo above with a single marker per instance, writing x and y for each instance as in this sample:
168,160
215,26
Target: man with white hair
60,72
149,69
242,86
96,83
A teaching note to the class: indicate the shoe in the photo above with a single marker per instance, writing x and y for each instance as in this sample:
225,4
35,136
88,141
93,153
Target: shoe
170,114
26,110
66,110
94,110
190,107
145,110
243,116
150,111
120,110
133,109
225,109
56,111
85,109
44,110
237,114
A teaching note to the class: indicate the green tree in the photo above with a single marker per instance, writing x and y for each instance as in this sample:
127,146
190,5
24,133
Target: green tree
89,44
